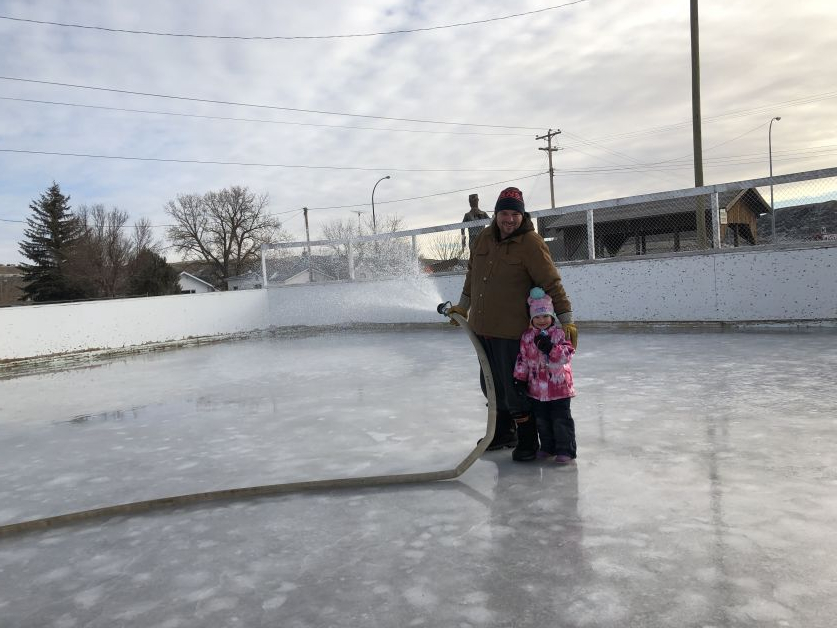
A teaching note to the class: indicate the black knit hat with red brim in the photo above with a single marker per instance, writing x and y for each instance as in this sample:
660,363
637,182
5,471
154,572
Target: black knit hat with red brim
510,199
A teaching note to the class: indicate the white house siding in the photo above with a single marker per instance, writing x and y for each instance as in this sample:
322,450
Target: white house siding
191,284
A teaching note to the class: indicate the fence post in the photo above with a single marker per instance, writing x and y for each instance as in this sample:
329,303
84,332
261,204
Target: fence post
350,254
716,221
591,236
415,248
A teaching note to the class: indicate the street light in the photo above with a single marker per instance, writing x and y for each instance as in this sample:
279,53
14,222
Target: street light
374,224
770,158
358,212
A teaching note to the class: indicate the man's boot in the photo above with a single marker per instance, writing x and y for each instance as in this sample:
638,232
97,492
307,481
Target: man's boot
504,432
527,439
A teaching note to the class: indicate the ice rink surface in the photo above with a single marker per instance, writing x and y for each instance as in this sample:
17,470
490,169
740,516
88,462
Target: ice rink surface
705,493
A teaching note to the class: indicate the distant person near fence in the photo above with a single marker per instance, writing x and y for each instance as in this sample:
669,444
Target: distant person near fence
475,213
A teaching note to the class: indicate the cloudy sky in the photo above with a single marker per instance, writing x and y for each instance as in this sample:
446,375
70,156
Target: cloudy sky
298,102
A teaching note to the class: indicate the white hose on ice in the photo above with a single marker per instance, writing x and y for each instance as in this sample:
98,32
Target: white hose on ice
132,508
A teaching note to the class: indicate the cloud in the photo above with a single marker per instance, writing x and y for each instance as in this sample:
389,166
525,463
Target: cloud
614,77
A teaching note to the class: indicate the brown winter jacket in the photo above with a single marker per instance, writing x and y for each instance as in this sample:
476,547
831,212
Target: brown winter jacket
500,275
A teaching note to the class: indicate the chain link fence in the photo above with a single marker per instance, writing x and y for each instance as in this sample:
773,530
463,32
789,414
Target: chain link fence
805,211
720,216
361,258
712,217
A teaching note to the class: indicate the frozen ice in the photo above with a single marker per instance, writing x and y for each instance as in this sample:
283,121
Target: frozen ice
705,492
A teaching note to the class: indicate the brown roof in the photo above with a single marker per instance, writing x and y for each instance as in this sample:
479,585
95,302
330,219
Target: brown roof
665,207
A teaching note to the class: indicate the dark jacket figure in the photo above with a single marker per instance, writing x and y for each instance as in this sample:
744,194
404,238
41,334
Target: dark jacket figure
475,213
500,274
507,259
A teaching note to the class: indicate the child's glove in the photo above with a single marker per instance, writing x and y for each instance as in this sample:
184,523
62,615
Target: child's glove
521,387
571,332
543,343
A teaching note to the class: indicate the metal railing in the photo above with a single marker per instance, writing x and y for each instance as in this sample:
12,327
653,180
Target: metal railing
735,214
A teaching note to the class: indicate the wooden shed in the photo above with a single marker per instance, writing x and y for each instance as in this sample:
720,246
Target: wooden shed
655,226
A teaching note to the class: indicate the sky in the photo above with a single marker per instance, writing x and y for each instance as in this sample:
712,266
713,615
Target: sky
313,103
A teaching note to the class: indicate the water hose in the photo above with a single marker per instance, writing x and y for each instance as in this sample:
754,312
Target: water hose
132,508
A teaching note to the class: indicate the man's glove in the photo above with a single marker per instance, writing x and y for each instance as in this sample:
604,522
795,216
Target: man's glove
571,332
455,309
543,343
521,387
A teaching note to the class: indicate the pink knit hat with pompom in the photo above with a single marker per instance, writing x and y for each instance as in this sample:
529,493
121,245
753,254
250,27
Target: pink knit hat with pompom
540,304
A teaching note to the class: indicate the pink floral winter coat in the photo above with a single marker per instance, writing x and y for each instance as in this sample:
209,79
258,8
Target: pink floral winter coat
549,377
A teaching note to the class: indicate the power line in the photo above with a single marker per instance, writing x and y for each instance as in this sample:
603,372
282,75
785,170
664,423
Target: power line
288,211
803,100
567,145
676,163
418,198
257,106
399,200
259,120
285,37
714,146
652,130
635,168
716,162
247,164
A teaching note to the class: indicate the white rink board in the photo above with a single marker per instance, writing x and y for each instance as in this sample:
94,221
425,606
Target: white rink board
792,284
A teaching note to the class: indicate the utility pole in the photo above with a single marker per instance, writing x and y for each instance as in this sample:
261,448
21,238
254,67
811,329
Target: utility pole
549,150
700,216
308,240
358,212
770,157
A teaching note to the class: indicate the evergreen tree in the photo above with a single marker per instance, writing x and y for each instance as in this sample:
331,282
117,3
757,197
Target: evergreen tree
152,275
52,233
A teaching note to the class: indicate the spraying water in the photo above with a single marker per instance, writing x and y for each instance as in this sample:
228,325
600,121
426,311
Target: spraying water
389,283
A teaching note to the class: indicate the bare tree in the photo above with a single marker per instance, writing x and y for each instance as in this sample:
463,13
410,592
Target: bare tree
347,229
381,257
445,246
225,228
143,238
102,255
391,256
337,232
389,223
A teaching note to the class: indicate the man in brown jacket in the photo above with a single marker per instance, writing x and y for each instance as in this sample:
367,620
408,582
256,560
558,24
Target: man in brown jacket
507,260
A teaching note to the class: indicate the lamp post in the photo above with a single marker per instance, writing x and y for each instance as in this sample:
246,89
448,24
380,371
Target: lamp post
374,224
770,159
358,212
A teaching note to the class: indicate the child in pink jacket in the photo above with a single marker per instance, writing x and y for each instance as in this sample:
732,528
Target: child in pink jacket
543,373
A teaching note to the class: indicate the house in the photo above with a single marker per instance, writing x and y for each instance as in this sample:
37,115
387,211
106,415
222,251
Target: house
189,284
297,269
307,276
655,226
248,281
435,266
